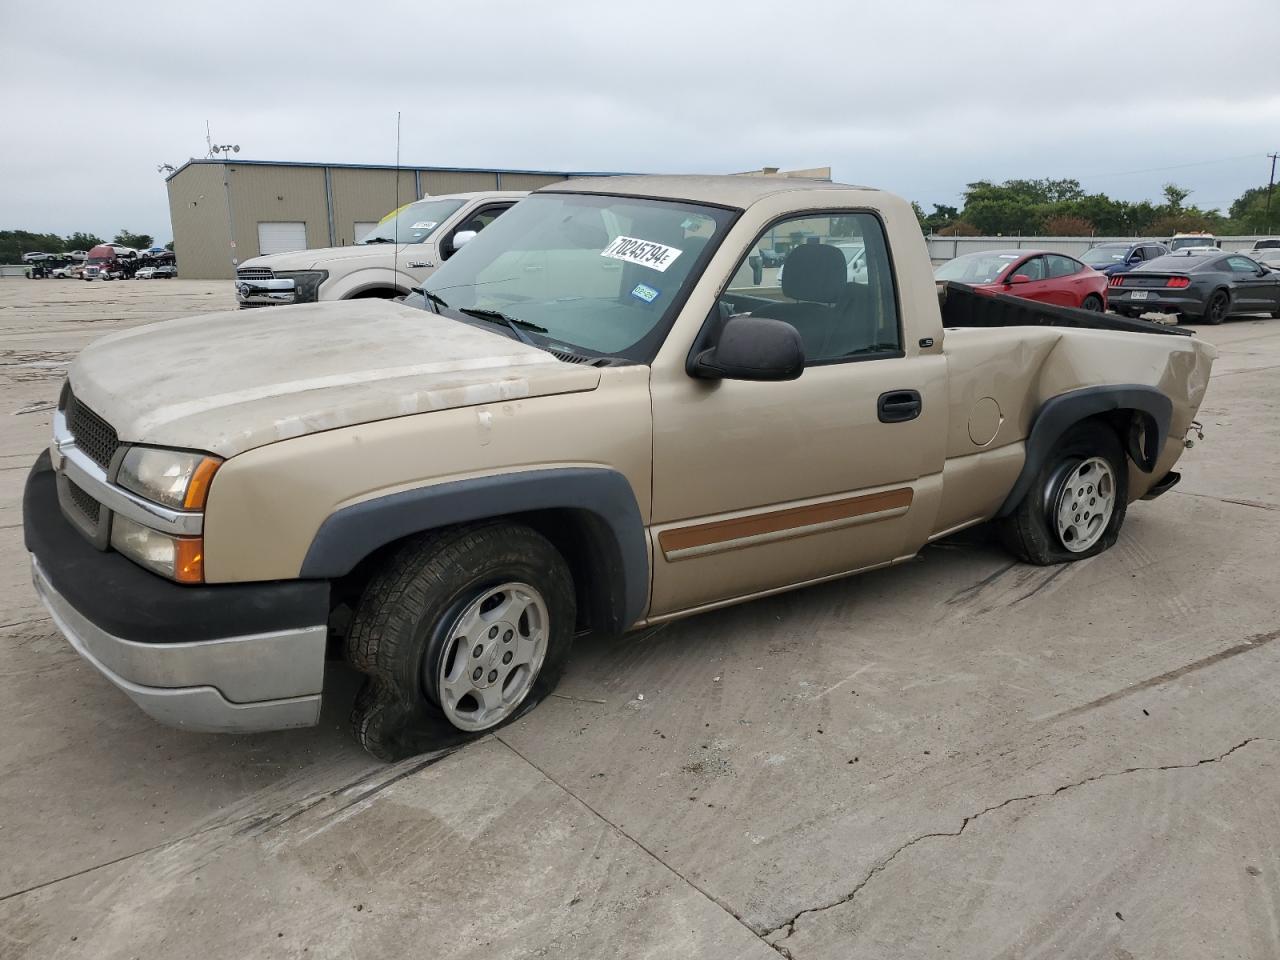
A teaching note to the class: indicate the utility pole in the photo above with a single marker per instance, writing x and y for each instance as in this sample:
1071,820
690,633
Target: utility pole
1270,184
226,149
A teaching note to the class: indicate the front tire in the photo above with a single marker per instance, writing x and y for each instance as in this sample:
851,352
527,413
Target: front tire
1077,503
1215,311
460,632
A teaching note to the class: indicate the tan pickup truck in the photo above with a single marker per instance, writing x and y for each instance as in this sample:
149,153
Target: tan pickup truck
596,416
391,259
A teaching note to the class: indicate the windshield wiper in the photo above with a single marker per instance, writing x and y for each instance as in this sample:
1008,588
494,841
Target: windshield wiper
514,324
377,240
435,299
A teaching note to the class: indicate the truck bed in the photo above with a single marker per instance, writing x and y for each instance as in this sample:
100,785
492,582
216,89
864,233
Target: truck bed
962,306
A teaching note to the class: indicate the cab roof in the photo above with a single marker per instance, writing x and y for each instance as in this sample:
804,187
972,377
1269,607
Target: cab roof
725,190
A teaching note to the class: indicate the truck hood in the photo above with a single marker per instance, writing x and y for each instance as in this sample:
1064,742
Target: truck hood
228,382
317,259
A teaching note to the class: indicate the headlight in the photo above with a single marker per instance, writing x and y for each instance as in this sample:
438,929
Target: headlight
172,478
178,558
306,283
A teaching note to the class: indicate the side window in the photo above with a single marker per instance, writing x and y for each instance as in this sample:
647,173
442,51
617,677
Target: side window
1242,265
834,284
1062,266
485,216
1032,269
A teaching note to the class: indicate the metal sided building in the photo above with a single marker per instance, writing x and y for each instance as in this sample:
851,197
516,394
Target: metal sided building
276,206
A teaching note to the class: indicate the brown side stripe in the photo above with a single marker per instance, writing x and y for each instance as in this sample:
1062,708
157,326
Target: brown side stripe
719,531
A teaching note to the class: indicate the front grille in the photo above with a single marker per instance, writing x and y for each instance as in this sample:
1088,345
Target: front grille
92,434
255,273
84,502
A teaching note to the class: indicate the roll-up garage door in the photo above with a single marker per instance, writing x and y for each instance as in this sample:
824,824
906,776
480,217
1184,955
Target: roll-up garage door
281,237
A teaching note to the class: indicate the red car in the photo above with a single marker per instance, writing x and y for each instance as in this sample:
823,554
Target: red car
1033,274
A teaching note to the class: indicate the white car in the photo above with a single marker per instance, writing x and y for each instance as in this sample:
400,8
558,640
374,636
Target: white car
68,272
34,257
855,261
144,273
403,250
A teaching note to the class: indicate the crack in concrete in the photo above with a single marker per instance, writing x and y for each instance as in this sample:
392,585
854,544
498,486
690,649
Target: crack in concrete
1256,504
790,925
707,895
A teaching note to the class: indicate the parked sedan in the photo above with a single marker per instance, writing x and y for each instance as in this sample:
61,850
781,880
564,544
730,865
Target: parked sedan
1031,274
1123,255
1205,287
144,273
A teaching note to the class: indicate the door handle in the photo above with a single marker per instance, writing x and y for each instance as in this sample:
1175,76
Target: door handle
899,406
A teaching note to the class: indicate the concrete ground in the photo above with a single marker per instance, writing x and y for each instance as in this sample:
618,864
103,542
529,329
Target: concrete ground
963,757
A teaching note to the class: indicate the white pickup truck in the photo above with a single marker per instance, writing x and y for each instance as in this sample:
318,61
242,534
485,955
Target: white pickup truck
398,254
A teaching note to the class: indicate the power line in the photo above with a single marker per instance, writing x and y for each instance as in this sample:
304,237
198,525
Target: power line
1175,166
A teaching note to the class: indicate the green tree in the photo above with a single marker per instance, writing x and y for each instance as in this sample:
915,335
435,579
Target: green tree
1174,195
14,243
1249,211
82,241
139,241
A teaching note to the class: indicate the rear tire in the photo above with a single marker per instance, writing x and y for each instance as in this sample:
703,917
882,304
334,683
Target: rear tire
1215,310
496,598
1092,303
1077,503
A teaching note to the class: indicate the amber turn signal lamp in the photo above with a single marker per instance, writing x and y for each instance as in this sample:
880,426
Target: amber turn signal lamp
201,478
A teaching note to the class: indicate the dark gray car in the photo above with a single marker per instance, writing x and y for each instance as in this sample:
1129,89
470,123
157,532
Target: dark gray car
1203,287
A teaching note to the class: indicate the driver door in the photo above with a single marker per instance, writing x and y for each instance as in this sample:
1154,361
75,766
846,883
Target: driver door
762,485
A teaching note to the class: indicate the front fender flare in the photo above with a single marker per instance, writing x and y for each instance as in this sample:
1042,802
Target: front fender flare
1064,411
368,278
353,533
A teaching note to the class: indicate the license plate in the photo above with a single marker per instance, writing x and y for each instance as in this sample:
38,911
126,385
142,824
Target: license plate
1138,295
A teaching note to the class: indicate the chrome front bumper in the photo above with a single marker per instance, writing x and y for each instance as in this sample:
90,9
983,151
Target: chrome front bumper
242,684
265,293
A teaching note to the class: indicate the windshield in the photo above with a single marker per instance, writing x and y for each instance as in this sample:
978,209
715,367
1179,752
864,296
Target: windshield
1101,256
976,267
1181,243
600,274
412,223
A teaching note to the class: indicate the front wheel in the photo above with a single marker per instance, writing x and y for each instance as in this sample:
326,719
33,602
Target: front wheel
1215,311
1092,303
1077,503
459,632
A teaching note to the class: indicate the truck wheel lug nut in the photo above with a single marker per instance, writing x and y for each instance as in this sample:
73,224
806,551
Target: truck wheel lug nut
478,650
493,632
493,675
506,637
477,673
506,657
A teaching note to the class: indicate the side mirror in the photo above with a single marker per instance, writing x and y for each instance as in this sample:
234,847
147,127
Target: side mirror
1135,259
1019,278
463,237
752,348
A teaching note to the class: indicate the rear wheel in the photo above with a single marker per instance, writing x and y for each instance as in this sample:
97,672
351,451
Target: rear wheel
1215,311
459,632
1077,503
1093,303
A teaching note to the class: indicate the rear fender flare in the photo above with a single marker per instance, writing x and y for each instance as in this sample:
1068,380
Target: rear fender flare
1154,412
620,545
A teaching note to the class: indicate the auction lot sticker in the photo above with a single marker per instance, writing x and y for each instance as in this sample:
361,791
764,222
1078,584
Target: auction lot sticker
655,256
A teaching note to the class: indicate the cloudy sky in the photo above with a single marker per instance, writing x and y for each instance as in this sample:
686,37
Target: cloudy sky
915,96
